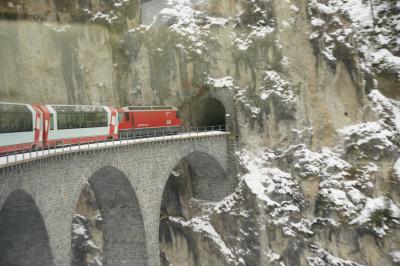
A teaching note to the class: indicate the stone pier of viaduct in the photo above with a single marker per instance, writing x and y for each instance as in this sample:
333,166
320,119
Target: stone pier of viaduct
38,198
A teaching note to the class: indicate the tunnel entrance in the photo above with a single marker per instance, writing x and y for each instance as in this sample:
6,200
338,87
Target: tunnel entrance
107,226
211,112
23,236
196,179
201,112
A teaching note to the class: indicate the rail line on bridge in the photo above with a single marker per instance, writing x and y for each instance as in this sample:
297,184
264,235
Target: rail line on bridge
184,133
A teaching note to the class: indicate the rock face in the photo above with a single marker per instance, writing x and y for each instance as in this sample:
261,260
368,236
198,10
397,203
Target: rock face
312,90
87,231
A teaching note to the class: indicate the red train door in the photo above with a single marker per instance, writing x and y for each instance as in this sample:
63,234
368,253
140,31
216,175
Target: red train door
45,122
168,118
38,126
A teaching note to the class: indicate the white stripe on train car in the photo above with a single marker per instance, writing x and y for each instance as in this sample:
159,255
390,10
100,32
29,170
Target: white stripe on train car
108,110
39,124
78,132
33,115
110,119
52,134
13,138
116,122
54,113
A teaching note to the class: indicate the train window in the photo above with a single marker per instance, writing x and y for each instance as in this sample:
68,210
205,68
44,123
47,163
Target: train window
79,120
103,120
120,117
69,119
73,120
28,124
3,123
61,121
126,116
98,119
90,119
15,122
12,122
21,121
18,122
82,120
51,122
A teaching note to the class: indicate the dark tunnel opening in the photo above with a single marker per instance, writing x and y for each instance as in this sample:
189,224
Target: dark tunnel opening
23,235
212,113
202,112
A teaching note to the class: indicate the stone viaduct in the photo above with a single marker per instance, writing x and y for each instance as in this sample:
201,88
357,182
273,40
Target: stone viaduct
38,198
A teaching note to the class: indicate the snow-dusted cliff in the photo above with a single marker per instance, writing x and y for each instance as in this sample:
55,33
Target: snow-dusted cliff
314,90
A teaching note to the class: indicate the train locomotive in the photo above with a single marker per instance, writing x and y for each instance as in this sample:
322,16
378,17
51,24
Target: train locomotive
26,126
148,120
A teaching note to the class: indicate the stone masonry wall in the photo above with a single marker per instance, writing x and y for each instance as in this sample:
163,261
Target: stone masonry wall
55,185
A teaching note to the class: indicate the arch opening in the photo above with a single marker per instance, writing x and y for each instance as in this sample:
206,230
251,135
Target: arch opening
23,235
196,179
107,226
201,112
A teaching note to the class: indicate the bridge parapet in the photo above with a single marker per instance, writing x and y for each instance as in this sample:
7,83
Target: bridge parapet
13,161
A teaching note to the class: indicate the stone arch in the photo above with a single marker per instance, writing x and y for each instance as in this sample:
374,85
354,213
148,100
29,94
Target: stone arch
213,187
210,181
124,240
206,180
23,236
192,154
192,149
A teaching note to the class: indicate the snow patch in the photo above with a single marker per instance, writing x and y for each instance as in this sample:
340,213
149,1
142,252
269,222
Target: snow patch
202,225
376,139
377,213
276,85
374,26
224,82
326,258
395,256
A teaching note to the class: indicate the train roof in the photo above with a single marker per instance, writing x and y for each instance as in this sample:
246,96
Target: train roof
77,108
147,108
14,107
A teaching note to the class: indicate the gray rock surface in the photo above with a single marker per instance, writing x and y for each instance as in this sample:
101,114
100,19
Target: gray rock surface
312,90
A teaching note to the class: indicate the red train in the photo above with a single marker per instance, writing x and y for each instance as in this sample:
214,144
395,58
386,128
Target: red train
24,126
147,119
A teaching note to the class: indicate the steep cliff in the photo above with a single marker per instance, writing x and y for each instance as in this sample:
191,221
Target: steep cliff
312,88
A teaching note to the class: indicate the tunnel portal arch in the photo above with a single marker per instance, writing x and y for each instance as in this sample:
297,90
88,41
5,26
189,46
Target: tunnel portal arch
204,111
23,235
124,240
211,113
